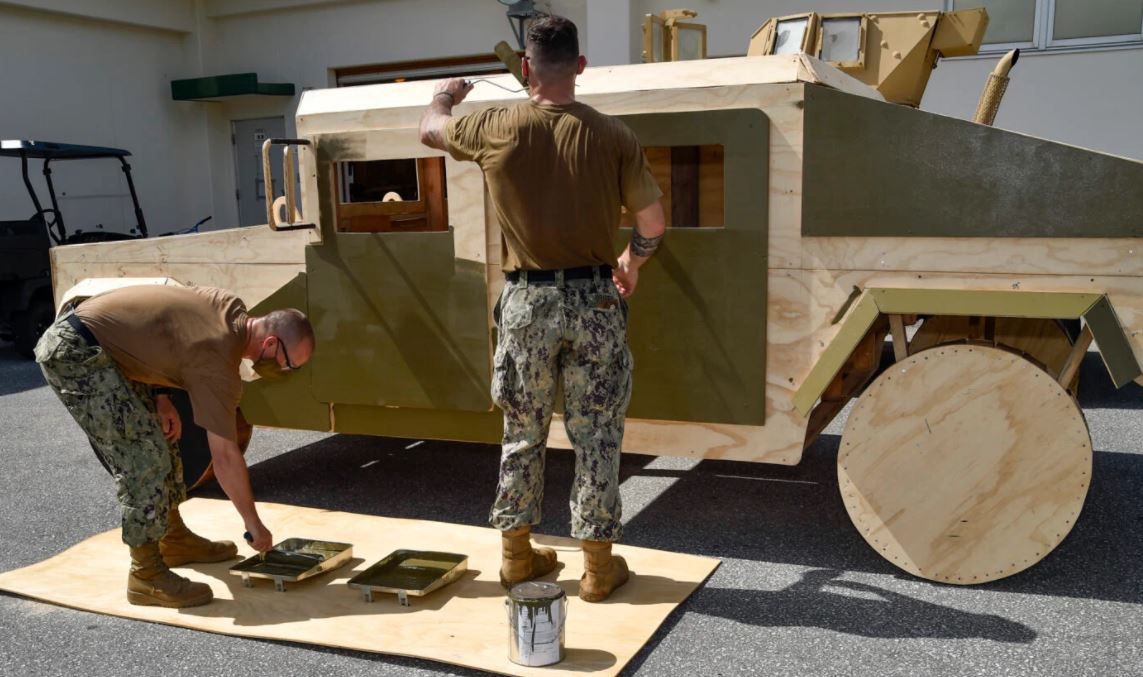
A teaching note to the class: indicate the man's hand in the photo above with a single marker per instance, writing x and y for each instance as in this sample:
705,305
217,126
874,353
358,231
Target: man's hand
260,537
446,94
455,89
169,419
626,276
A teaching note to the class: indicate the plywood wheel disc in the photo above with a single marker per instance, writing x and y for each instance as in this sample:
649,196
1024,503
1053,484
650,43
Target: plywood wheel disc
964,464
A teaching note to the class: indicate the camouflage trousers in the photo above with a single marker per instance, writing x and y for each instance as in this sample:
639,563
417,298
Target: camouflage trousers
119,418
572,334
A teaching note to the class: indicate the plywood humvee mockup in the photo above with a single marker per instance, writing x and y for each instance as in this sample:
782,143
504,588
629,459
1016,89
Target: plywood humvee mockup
809,220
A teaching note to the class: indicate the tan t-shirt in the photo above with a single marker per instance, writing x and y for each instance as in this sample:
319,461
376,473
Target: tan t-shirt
182,337
557,176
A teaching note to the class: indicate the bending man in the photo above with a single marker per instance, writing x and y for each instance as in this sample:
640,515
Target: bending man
558,172
111,358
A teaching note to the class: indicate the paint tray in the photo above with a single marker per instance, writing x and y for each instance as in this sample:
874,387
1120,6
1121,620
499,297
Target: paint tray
410,572
293,560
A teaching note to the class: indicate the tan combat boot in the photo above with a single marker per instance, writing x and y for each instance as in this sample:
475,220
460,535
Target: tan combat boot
151,583
603,573
181,546
520,561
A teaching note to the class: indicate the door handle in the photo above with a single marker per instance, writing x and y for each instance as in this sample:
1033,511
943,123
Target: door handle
290,189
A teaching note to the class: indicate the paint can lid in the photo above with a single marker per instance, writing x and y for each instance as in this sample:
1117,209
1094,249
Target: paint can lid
535,590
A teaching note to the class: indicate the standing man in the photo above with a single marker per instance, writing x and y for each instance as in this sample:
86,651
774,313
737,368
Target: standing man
558,172
110,360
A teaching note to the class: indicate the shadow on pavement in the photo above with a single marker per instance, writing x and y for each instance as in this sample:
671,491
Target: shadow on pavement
1097,392
819,600
17,373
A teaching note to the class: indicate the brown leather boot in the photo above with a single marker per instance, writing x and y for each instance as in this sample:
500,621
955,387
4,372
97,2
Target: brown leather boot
603,573
181,546
520,561
151,583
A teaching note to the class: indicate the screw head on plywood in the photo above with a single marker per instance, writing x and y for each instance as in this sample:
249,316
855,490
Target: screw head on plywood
964,464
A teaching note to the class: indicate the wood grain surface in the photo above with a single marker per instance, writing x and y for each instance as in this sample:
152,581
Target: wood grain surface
464,623
964,464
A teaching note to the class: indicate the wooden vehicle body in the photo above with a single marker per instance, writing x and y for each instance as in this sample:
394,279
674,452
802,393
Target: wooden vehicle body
809,219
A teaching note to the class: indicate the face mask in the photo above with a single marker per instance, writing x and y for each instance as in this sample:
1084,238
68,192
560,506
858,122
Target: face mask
269,369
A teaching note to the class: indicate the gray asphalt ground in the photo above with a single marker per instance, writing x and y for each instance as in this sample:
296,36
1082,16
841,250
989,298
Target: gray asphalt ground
798,591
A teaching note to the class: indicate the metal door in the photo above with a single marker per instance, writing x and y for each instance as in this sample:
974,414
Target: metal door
247,136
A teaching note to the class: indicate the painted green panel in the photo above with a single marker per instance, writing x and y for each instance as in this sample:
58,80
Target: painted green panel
859,320
1051,305
461,426
400,321
878,169
698,317
289,402
1114,347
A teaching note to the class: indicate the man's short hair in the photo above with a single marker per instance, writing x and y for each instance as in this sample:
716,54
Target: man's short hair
290,325
554,40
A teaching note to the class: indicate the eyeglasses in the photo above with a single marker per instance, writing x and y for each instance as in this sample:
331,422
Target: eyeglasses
289,365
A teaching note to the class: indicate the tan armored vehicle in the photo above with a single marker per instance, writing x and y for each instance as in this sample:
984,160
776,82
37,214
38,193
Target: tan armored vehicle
809,220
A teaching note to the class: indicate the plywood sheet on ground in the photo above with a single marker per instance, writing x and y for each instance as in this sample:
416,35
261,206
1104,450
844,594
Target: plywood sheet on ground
463,624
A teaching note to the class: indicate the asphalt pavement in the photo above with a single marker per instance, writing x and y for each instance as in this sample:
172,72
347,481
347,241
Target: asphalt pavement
798,592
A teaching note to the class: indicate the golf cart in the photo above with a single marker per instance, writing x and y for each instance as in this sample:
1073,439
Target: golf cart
26,307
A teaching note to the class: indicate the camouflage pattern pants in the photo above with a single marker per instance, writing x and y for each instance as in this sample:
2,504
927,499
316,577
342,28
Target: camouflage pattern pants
573,334
119,418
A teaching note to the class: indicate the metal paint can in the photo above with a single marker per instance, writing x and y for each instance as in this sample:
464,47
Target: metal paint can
536,615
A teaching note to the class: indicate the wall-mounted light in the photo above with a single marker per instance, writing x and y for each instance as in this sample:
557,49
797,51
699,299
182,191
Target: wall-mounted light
520,12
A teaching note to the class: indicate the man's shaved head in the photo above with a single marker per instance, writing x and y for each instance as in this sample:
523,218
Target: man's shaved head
291,326
553,43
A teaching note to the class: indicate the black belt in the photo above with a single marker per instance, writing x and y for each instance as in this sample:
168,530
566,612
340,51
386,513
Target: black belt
549,276
81,329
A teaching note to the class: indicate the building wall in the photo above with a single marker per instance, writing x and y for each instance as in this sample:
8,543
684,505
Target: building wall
98,72
75,80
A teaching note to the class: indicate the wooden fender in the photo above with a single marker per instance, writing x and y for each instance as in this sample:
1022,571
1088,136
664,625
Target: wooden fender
964,464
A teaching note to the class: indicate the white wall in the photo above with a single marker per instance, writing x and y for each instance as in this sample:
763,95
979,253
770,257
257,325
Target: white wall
76,80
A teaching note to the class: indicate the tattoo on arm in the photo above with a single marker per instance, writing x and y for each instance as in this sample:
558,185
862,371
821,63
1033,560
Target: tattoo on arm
644,246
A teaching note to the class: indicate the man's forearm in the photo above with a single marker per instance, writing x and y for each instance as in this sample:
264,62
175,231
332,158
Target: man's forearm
434,119
647,235
230,469
642,246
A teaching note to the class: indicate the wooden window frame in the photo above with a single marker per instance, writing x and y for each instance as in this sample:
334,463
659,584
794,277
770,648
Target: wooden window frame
428,213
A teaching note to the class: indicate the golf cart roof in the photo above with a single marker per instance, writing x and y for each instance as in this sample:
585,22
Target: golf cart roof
52,151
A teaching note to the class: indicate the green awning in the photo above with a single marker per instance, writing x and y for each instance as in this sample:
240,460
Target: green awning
219,86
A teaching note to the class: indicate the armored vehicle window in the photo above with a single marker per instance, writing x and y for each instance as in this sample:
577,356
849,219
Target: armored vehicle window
381,196
1009,21
691,178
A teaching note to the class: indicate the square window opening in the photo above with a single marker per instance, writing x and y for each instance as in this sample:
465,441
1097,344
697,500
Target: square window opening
399,195
693,185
